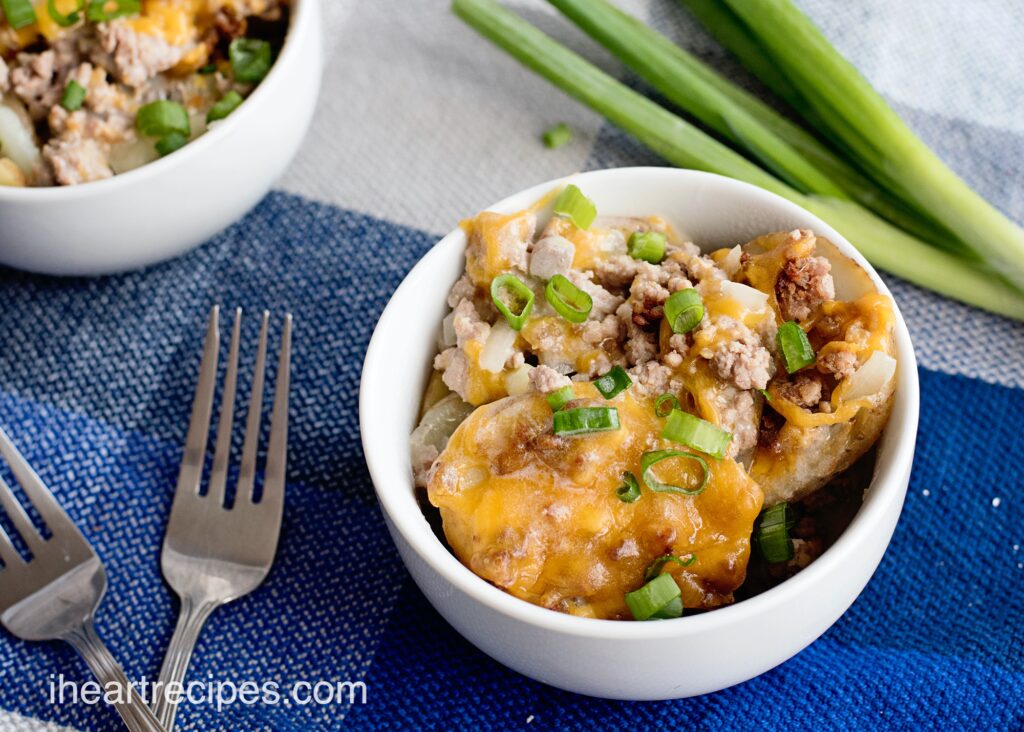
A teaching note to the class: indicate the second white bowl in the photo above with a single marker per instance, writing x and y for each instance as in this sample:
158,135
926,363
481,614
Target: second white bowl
173,204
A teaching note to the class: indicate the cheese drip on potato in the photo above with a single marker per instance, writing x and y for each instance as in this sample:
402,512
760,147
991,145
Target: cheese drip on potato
537,514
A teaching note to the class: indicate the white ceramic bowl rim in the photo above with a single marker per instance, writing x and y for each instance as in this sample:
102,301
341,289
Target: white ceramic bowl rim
298,21
886,487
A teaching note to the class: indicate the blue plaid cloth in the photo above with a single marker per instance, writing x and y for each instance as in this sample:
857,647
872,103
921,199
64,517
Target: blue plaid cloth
96,380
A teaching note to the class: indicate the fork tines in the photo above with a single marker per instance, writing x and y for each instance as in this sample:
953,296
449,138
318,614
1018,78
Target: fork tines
190,477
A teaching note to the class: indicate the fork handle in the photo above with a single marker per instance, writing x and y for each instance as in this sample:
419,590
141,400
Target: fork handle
133,709
191,619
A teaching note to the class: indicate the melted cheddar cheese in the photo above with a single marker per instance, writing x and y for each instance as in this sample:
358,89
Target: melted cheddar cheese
537,514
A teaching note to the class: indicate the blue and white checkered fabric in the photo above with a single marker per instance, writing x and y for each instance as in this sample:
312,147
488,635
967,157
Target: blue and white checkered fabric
422,123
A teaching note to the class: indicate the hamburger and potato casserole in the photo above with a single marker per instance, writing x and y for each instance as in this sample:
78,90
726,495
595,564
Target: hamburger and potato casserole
93,88
620,426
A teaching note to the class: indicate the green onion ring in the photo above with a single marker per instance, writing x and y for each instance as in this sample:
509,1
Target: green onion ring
660,402
567,299
557,136
573,205
796,349
649,459
696,433
73,96
629,491
161,118
772,535
648,246
684,310
585,421
251,59
520,291
613,383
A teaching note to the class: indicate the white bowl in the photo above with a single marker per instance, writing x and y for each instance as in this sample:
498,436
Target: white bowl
623,660
173,204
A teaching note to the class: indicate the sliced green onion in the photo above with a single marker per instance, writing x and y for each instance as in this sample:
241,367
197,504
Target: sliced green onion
585,421
103,10
65,21
567,299
796,349
557,136
250,59
646,245
655,567
161,118
521,298
73,96
19,13
673,610
766,394
225,106
613,383
671,400
686,429
652,597
558,399
171,142
773,533
572,204
649,459
684,310
208,69
629,491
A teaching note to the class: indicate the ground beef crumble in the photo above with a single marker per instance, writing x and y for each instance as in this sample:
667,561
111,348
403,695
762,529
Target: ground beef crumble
803,285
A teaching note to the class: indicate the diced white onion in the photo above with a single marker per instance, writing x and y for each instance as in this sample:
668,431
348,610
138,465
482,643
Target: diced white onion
448,337
747,296
16,139
518,382
613,242
499,347
439,423
731,262
871,377
125,156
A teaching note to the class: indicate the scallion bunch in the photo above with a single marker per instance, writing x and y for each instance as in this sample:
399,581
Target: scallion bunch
873,180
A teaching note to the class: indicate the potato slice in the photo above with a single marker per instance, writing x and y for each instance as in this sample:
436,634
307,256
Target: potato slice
804,447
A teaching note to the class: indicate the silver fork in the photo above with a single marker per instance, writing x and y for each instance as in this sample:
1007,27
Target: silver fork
55,594
213,554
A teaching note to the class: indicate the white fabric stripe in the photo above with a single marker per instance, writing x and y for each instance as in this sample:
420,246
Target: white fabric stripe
11,722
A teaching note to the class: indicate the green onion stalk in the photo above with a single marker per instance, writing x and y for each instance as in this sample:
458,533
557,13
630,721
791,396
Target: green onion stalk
860,120
683,145
789,151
